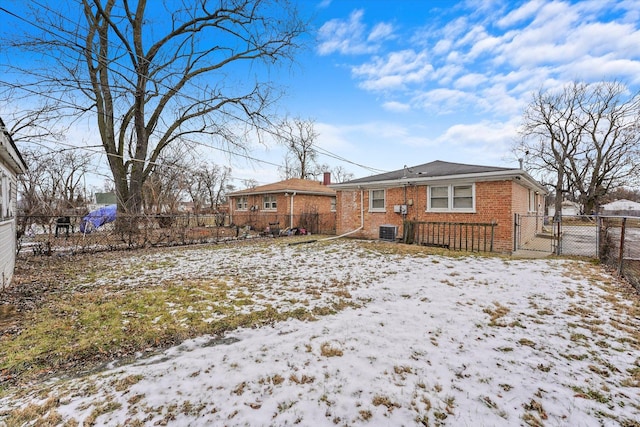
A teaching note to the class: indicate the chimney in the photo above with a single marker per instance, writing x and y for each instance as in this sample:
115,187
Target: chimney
327,178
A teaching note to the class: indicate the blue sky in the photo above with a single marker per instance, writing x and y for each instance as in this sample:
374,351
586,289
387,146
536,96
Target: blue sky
391,83
405,82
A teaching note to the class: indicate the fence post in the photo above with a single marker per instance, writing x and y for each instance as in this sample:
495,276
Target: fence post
516,225
559,238
622,230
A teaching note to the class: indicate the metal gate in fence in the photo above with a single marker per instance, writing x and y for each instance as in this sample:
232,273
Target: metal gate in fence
572,235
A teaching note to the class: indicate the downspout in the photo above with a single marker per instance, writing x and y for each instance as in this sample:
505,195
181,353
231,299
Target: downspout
291,211
361,221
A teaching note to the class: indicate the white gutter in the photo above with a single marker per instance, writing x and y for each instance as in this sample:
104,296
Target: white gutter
482,176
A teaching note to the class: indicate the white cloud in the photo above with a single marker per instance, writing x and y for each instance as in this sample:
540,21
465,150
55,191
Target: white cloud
489,62
444,100
470,81
350,37
524,12
394,71
381,31
487,139
598,68
442,46
396,107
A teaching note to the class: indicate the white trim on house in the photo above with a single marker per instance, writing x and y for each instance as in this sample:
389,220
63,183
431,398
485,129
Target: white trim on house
11,165
521,176
450,198
384,200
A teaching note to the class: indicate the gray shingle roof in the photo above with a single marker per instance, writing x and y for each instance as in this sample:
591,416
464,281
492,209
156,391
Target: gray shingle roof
429,170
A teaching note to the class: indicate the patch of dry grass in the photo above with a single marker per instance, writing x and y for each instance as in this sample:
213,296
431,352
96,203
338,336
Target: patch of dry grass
327,350
495,313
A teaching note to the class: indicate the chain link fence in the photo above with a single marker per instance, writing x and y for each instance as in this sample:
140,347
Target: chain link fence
619,247
48,235
571,235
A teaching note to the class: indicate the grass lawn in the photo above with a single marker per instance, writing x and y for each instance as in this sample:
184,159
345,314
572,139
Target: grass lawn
327,333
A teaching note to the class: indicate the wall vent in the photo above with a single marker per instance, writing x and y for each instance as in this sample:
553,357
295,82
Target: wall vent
388,232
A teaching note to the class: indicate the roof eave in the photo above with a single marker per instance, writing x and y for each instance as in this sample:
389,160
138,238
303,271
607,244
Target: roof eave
290,190
475,177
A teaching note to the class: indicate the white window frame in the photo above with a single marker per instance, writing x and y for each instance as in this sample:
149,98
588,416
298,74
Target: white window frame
333,204
5,196
532,202
450,198
384,200
269,202
242,203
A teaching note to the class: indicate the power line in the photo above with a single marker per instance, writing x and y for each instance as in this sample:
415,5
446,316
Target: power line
72,43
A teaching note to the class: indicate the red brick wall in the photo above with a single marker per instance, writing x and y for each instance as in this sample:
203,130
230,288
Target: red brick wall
496,201
302,203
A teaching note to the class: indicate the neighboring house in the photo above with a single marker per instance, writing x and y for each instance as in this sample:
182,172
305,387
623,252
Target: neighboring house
622,207
102,200
293,203
11,165
443,194
569,208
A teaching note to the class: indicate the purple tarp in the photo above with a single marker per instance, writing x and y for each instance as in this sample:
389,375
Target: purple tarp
96,218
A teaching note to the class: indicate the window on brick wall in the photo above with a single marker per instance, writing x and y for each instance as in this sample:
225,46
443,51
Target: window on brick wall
269,202
451,198
376,201
333,204
241,203
532,201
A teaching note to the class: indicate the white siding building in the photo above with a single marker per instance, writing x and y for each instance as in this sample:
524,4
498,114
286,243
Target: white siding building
11,165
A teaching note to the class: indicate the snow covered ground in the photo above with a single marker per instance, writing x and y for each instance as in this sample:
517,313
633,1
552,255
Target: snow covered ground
430,340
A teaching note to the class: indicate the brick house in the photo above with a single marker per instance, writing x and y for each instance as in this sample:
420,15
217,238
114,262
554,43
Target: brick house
11,165
292,203
442,204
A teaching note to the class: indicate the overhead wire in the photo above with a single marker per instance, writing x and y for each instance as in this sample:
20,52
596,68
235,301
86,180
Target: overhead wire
320,150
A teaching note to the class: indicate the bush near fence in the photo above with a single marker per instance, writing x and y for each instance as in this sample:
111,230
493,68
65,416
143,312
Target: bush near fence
313,222
44,235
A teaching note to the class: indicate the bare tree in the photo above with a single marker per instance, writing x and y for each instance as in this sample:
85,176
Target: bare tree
68,170
52,186
584,140
153,75
298,136
340,174
41,124
167,185
207,186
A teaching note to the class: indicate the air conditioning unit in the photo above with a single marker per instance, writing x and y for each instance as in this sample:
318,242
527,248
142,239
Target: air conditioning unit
388,232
